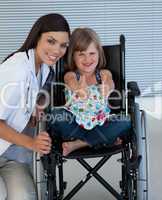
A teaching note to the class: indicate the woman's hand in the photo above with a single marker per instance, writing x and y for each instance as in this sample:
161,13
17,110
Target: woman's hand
42,143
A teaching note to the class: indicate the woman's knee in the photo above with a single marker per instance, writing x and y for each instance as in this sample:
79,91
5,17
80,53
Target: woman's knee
3,192
19,182
22,193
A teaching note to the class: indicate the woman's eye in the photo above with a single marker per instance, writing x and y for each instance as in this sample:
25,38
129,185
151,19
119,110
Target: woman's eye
51,41
64,46
81,54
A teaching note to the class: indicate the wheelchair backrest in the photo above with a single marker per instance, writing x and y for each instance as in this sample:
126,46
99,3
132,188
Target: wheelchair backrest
115,62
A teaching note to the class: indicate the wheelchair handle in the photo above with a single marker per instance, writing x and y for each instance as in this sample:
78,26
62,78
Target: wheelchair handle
41,126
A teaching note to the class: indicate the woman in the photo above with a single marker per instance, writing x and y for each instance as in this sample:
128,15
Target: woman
21,75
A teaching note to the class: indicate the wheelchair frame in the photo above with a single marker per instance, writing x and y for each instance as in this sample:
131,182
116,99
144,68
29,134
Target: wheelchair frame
133,150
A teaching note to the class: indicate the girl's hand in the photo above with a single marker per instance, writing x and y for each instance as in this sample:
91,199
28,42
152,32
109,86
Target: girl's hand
104,89
82,88
42,143
82,82
107,83
79,87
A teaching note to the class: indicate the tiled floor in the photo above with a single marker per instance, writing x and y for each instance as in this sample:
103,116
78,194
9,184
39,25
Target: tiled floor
93,190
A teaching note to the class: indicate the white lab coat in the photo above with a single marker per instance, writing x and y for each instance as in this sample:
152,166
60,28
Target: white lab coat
18,91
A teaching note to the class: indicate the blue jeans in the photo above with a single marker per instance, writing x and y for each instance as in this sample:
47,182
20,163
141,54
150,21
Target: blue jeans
63,124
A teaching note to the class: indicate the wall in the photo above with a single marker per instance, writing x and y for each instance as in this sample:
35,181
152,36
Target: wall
153,108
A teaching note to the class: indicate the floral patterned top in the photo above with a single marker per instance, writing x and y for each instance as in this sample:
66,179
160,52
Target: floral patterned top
88,112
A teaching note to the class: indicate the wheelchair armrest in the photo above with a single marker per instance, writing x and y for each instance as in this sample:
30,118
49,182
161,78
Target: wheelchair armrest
133,89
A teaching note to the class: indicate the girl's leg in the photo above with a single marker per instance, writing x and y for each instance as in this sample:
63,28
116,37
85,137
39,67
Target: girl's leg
106,134
70,146
19,181
109,133
63,124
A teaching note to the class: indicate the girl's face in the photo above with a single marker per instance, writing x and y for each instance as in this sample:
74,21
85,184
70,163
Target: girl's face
86,61
51,47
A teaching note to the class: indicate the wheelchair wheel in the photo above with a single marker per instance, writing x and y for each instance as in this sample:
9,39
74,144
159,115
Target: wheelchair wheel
129,171
132,186
129,184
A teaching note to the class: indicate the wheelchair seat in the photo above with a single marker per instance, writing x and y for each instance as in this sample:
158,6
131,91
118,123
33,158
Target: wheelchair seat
88,152
132,186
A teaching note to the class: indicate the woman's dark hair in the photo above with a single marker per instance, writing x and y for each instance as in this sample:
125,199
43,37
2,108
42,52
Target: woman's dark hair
46,23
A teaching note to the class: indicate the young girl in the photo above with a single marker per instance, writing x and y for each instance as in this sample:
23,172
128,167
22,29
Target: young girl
88,86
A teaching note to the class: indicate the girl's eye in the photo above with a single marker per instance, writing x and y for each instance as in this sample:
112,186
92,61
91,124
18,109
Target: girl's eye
92,53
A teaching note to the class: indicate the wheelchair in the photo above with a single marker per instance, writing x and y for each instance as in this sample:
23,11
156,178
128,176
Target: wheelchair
133,150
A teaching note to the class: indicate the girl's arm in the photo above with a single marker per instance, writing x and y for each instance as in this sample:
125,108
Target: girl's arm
107,82
41,143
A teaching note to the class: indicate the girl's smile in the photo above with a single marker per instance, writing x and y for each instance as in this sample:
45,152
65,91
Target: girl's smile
87,61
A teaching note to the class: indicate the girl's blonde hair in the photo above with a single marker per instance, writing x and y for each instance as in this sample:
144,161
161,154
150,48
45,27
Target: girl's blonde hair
80,39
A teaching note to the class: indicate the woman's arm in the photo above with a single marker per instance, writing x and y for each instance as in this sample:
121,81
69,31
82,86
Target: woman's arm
41,143
107,82
14,94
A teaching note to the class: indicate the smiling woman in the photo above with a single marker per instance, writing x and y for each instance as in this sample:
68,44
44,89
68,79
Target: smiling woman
46,43
51,47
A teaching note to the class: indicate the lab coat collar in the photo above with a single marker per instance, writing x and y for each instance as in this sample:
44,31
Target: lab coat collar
44,71
44,68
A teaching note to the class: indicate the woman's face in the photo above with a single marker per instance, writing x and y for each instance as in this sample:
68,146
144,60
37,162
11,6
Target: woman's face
51,47
86,61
